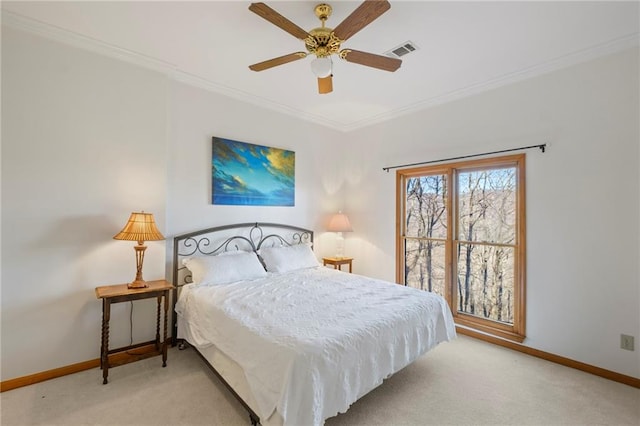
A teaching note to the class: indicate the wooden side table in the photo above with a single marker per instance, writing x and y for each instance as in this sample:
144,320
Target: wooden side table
337,262
120,293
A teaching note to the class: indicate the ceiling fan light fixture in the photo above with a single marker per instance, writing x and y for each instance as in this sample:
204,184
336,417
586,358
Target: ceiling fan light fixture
324,42
322,67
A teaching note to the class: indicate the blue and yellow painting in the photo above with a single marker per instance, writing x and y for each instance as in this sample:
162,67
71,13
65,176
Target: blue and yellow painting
252,175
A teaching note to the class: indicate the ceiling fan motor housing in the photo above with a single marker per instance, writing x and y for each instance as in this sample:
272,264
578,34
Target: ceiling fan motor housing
322,41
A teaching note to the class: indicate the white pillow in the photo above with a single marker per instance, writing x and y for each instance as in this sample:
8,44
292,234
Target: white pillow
288,258
223,269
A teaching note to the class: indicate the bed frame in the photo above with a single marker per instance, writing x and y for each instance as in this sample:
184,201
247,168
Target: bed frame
220,239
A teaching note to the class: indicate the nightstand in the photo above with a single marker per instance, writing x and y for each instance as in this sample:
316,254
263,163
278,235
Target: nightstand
337,262
121,293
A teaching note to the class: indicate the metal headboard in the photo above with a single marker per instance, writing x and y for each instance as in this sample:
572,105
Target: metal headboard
220,239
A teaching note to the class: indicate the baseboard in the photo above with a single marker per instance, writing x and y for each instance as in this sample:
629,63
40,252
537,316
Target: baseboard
607,374
47,375
114,360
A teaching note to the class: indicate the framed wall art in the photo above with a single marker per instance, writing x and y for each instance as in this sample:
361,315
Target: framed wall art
251,175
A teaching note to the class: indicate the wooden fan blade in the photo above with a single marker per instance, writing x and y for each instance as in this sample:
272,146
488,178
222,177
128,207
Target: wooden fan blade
371,60
261,66
325,85
278,20
366,13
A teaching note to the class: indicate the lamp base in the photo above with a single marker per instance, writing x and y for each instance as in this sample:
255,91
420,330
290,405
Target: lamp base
138,284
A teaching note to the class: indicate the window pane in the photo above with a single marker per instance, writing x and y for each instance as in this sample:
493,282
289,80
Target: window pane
424,265
425,207
485,281
487,206
465,213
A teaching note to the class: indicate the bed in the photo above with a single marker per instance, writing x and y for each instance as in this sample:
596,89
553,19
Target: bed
295,342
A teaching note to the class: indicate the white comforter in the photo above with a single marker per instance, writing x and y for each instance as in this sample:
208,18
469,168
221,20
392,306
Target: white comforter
311,342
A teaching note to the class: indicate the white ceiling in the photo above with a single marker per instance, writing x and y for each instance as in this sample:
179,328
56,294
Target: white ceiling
464,47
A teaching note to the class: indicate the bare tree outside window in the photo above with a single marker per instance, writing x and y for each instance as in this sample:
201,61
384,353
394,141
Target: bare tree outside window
461,237
425,222
486,235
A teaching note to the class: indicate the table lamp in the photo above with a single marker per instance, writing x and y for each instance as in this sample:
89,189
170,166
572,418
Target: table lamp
141,227
339,223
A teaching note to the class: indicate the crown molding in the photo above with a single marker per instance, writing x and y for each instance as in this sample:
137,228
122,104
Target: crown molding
71,38
566,61
171,71
202,83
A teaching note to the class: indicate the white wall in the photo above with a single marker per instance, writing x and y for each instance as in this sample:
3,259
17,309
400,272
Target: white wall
583,211
197,115
83,145
87,139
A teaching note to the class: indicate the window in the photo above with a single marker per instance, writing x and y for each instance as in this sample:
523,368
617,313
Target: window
461,234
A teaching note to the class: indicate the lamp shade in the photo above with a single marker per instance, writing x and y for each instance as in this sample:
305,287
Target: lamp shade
140,227
339,223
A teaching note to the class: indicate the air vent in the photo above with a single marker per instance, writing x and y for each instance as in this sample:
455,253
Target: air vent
401,50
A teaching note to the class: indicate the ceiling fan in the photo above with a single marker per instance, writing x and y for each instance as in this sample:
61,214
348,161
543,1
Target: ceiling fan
323,42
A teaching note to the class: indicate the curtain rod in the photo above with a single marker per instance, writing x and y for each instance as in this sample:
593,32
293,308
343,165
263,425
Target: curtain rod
541,146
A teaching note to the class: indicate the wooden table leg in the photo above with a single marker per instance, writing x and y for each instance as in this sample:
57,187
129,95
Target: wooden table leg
104,348
158,323
164,341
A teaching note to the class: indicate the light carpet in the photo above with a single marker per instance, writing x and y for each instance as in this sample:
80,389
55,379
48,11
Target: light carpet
464,382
